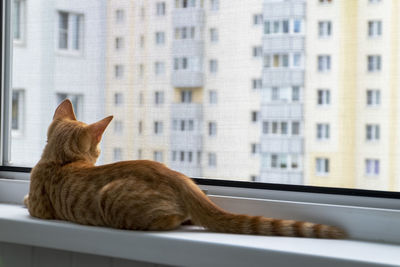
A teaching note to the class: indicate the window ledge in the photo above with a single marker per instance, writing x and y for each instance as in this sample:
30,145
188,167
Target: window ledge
191,246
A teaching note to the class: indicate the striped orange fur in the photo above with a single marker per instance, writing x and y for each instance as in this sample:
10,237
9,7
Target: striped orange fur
137,195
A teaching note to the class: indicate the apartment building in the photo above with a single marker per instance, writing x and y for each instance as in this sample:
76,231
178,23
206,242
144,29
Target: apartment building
190,87
283,89
351,96
58,52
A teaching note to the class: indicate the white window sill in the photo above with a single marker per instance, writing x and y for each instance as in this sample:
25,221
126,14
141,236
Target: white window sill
191,246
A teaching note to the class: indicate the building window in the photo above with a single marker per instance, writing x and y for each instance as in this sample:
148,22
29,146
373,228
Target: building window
213,35
265,127
324,97
76,100
141,98
158,127
118,127
119,71
17,110
119,16
160,8
159,98
372,132
284,128
119,43
324,29
214,5
182,33
255,149
325,1
257,51
372,167
274,161
374,63
69,31
256,83
117,154
323,131
275,127
118,99
295,93
257,19
297,62
374,1
294,161
374,28
274,93
373,97
255,116
140,127
212,160
297,26
278,61
322,166
159,68
213,99
141,41
324,63
295,128
158,156
186,96
212,128
160,38
142,13
18,20
213,66
139,153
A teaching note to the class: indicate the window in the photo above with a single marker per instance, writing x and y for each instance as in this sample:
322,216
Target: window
214,5
17,111
256,83
18,20
160,38
278,61
255,149
212,160
323,131
295,128
159,68
374,28
372,132
141,98
117,154
140,127
257,19
324,97
160,8
297,60
69,31
374,63
325,1
158,98
119,71
119,43
186,96
324,63
297,26
372,167
374,1
118,99
182,33
213,99
158,156
213,66
324,29
142,41
295,93
213,35
322,166
119,16
373,97
275,93
284,128
265,127
255,116
118,127
158,127
212,128
257,51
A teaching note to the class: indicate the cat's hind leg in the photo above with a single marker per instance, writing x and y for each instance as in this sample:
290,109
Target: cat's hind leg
166,222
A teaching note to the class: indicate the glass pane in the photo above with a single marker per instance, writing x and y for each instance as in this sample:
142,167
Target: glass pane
322,108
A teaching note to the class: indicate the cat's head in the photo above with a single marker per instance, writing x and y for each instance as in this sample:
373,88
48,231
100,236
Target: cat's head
70,140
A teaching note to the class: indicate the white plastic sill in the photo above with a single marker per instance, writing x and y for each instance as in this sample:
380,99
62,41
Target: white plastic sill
191,246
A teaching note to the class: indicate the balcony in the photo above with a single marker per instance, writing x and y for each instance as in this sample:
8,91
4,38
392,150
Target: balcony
281,110
188,47
280,144
282,77
282,43
284,9
191,170
187,78
187,17
281,176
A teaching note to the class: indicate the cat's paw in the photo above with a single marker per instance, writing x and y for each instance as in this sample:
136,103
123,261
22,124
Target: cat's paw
26,200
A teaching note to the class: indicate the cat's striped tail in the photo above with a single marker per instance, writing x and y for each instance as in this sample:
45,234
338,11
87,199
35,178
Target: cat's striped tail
205,213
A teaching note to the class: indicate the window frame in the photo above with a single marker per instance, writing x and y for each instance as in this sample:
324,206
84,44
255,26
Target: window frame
254,190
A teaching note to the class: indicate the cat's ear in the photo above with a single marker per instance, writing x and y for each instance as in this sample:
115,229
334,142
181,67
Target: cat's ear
97,129
65,111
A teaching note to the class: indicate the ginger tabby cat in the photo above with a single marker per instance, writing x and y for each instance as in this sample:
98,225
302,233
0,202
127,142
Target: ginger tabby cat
136,195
